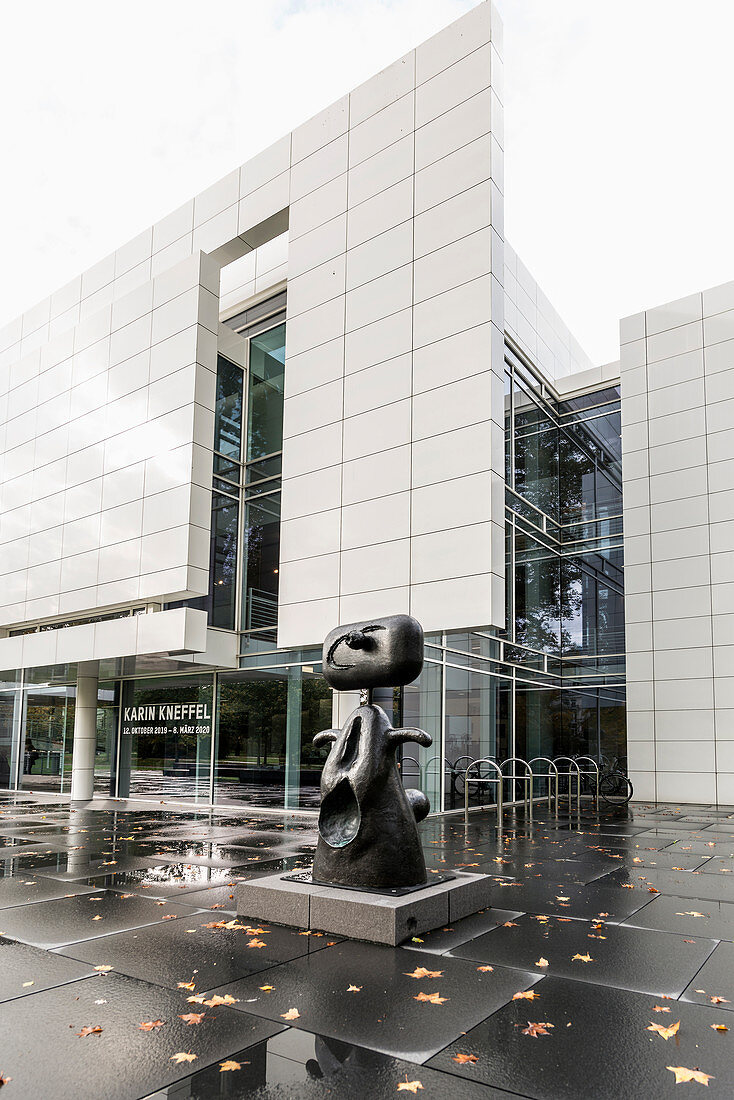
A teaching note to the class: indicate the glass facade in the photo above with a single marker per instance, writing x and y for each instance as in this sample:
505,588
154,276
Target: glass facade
550,683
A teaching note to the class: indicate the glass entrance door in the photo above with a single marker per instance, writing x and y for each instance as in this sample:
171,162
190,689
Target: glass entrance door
45,763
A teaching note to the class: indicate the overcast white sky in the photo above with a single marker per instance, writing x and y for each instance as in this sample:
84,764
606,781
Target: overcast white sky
618,129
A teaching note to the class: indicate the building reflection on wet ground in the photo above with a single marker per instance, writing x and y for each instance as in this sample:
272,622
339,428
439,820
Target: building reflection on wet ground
606,932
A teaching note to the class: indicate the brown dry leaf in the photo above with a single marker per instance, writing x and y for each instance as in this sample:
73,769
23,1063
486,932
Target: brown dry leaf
526,995
267,988
214,924
665,1032
97,917
464,1059
291,1014
229,1065
719,1027
659,1008
181,1057
485,969
197,1000
563,899
168,916
151,1025
536,1029
582,958
628,885
421,972
88,1031
683,1075
190,1018
256,943
4,1080
431,998
354,989
186,985
719,1000
509,924
542,962
104,969
409,1086
652,890
227,999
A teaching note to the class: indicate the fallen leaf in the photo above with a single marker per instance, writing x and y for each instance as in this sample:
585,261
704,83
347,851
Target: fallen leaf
227,999
197,1000
659,1008
409,1086
181,1057
267,988
582,958
97,917
26,985
683,1075
104,969
256,943
485,969
291,1014
542,962
190,1018
229,1065
536,1029
690,913
186,985
509,924
88,1031
719,1027
151,1025
719,1000
665,1032
526,995
464,1059
4,1080
421,972
431,998
354,989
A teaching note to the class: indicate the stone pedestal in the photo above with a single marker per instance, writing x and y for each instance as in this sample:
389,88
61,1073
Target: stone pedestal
359,915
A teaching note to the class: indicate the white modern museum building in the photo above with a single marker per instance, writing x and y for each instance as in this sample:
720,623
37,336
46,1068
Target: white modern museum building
327,389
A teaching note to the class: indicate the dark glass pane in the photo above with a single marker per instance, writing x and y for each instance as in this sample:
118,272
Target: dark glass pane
265,400
267,720
165,738
223,566
536,452
228,410
104,760
10,705
261,556
537,595
49,738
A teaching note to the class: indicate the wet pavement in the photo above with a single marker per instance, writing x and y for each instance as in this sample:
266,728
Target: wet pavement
603,968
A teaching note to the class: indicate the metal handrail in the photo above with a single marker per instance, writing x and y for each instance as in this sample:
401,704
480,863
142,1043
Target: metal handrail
569,773
491,779
526,778
546,775
595,774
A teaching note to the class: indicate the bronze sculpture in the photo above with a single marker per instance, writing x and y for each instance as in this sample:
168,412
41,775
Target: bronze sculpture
367,822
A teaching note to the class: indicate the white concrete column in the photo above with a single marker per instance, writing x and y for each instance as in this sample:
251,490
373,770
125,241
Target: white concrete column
85,731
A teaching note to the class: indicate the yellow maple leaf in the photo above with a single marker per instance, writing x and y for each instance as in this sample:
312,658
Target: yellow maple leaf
186,985
464,1059
525,995
256,943
291,1014
267,988
659,1008
485,969
421,972
665,1032
409,1086
542,962
183,1057
431,998
354,989
217,1000
683,1075
583,958
230,1064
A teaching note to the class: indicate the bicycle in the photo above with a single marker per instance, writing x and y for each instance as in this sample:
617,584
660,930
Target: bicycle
614,786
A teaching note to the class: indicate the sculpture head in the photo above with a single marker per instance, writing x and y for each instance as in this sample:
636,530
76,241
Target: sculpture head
385,652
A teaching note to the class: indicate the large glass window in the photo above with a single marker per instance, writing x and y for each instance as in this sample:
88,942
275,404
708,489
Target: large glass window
49,737
266,721
10,710
165,738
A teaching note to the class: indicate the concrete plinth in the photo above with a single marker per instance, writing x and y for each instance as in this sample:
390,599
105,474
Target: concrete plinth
377,918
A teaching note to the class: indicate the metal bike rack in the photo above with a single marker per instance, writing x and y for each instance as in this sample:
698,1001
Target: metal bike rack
595,775
549,775
569,760
526,778
491,779
418,769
